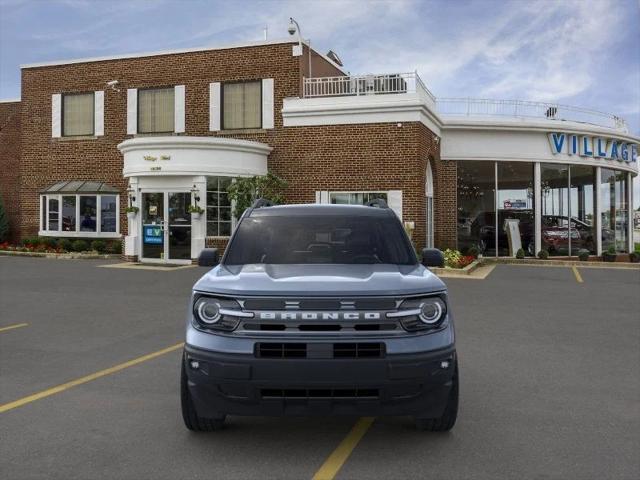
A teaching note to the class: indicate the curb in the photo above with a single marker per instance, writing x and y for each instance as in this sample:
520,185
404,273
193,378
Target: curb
468,270
63,256
563,263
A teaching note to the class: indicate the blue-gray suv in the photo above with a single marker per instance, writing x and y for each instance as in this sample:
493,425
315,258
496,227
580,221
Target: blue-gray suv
319,310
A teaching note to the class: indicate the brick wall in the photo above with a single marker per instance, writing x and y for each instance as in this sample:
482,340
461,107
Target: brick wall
339,157
10,163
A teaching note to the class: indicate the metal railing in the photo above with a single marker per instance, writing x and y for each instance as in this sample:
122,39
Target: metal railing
520,108
356,85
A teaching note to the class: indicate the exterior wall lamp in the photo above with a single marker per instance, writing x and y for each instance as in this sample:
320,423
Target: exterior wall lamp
132,198
293,28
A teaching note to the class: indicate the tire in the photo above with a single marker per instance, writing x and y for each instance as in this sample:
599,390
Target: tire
190,416
445,422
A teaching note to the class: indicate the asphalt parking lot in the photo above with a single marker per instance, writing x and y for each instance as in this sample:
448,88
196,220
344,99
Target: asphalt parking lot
550,384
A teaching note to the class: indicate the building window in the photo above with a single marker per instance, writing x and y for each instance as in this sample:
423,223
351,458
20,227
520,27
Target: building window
242,105
477,206
515,209
75,215
614,210
156,110
218,207
78,114
355,198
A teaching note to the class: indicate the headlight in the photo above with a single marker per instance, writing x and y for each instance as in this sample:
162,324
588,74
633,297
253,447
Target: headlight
421,313
217,313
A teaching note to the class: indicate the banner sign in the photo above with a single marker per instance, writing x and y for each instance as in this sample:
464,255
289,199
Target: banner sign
152,235
597,147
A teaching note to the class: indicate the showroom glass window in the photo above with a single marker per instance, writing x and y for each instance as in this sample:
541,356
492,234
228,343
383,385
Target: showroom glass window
218,207
77,215
156,110
476,206
554,192
516,219
242,105
77,114
355,198
582,208
614,210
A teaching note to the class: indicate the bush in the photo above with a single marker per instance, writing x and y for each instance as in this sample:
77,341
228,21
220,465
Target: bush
543,254
245,190
520,253
80,246
99,246
612,250
114,247
634,257
452,258
65,244
4,223
583,254
33,241
473,252
47,242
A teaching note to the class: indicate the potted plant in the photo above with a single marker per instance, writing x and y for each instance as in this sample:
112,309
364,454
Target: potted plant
195,211
583,254
131,212
635,255
610,255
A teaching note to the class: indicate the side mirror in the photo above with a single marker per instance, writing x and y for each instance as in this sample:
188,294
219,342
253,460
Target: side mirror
208,257
432,257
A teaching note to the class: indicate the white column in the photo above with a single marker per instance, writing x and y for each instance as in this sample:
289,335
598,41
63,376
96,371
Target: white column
132,111
598,212
56,115
537,208
199,227
630,212
214,107
98,113
132,240
178,108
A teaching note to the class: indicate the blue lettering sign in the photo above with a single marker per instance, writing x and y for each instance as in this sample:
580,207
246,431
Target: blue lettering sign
557,142
613,154
573,147
586,148
624,152
601,150
634,153
152,235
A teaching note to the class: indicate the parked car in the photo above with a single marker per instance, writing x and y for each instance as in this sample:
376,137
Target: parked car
320,309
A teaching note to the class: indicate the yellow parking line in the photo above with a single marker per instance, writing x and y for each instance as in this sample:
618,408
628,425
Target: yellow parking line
11,327
88,378
333,464
577,274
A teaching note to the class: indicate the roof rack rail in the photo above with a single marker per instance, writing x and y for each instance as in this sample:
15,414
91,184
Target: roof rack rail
377,202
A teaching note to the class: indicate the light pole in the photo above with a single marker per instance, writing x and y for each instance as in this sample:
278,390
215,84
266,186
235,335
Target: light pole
293,28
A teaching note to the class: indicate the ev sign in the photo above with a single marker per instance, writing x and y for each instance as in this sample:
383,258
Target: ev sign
597,147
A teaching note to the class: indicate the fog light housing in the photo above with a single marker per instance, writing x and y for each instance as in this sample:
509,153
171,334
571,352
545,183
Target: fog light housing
194,364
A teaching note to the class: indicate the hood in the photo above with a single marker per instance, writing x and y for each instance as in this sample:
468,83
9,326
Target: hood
319,280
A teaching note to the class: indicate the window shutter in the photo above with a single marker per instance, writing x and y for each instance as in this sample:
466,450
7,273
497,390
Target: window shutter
323,196
267,103
56,115
178,111
214,107
98,112
132,111
394,200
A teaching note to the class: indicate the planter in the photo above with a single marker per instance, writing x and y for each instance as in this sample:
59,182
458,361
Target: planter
131,216
195,215
634,257
609,257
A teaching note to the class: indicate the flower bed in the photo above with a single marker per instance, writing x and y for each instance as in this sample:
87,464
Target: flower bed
455,259
63,245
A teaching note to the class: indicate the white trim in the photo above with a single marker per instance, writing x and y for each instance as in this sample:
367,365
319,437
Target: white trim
598,211
45,232
56,115
157,53
394,200
10,100
630,211
178,108
132,111
537,207
62,234
268,119
98,113
214,107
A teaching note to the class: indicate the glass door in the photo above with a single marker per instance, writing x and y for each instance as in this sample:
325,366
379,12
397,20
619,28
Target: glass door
179,226
153,214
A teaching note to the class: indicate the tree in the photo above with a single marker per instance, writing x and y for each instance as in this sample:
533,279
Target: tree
4,223
245,190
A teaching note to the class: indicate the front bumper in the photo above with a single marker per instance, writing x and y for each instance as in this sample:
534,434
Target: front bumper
241,384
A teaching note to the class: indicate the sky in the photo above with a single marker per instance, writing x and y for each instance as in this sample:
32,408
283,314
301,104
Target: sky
576,52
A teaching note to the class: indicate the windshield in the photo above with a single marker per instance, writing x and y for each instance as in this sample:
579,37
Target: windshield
320,240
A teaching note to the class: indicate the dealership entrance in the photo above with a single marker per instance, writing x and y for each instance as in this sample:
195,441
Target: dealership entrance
166,227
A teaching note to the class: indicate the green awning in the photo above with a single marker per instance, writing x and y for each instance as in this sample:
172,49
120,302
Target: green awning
80,186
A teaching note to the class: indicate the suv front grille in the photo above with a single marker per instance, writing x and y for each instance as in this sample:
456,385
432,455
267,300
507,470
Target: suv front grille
320,304
320,350
305,393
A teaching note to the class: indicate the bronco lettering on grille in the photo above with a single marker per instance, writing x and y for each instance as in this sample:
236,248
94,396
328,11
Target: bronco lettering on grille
319,315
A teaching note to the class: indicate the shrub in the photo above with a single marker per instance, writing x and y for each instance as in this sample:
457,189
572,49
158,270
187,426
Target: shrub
80,246
31,241
634,257
114,247
543,254
99,246
520,253
65,244
611,250
452,258
473,252
4,223
465,260
47,242
245,190
583,254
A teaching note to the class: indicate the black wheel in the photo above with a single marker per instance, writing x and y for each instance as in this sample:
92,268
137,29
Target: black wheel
191,419
450,414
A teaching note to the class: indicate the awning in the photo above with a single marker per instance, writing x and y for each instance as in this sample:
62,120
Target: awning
80,186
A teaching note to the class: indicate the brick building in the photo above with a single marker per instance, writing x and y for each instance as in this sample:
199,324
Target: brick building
162,131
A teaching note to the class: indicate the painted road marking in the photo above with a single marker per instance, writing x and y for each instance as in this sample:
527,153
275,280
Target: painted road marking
88,378
333,464
11,327
577,274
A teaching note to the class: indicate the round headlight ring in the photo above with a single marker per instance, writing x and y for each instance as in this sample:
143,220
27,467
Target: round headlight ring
208,311
431,311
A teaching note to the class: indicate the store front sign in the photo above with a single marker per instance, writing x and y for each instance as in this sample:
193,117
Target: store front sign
597,147
152,235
